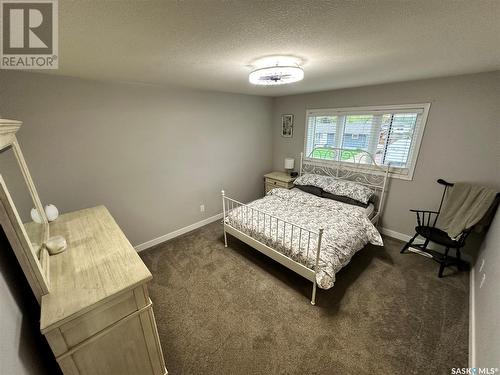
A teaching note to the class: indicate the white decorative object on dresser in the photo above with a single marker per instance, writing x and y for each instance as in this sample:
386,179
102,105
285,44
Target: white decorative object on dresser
95,313
278,179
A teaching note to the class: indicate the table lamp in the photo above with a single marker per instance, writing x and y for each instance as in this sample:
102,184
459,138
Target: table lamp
289,164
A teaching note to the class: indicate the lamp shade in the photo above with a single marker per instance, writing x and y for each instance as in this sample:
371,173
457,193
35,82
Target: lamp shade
289,163
276,75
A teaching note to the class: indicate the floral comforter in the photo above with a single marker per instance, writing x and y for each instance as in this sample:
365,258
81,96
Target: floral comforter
346,229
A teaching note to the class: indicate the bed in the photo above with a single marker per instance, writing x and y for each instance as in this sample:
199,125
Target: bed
309,234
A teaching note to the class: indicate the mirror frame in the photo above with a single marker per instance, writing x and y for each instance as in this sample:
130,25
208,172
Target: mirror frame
36,268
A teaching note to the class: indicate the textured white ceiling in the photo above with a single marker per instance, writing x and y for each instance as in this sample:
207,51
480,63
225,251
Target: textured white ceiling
211,44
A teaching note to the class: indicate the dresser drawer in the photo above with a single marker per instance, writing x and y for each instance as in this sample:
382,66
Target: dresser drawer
277,180
270,187
80,329
117,337
128,348
276,183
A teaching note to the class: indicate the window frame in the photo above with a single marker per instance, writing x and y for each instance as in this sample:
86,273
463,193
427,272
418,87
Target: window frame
343,111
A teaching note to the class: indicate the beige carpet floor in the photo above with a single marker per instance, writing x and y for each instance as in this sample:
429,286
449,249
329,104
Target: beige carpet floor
234,311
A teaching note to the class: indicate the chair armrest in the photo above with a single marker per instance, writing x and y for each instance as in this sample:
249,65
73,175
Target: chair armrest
424,217
445,183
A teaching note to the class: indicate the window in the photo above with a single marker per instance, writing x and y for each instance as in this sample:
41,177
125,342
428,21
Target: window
392,134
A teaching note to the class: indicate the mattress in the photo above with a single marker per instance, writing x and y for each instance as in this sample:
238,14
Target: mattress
369,211
347,229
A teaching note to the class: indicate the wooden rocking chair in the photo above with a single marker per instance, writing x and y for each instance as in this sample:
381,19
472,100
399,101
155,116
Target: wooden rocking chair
426,227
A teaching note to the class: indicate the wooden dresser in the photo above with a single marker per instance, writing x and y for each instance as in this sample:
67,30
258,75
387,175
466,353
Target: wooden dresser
98,318
95,311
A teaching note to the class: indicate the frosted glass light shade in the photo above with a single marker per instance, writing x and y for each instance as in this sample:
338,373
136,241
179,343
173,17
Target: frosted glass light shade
276,75
289,163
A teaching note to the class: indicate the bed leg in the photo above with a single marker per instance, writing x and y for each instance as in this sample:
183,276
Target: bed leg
320,237
313,298
224,216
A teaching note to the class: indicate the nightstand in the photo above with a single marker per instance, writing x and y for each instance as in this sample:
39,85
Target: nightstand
278,179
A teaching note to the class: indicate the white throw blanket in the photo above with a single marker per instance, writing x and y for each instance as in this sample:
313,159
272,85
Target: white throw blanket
465,205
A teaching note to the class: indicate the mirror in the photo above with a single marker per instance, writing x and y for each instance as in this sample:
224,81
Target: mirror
17,197
19,192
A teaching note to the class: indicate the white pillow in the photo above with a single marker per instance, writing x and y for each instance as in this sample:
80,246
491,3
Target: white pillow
314,180
336,186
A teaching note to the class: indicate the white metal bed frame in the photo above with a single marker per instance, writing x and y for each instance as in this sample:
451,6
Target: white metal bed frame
352,165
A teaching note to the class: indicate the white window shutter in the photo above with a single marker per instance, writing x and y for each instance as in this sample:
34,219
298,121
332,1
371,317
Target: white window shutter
391,134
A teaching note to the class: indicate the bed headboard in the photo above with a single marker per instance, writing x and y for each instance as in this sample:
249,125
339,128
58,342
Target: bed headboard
351,165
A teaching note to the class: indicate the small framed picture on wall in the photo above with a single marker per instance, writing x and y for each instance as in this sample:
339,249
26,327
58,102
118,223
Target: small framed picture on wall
287,126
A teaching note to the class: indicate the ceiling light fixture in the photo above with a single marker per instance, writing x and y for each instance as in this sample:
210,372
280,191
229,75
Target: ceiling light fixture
276,75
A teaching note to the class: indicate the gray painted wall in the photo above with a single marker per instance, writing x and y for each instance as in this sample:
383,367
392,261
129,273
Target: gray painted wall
23,349
487,300
151,155
461,139
17,352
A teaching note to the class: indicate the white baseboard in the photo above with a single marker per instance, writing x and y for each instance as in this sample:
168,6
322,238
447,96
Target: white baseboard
394,234
472,320
176,233
404,237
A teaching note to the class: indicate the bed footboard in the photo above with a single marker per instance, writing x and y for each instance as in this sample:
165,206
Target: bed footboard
250,225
